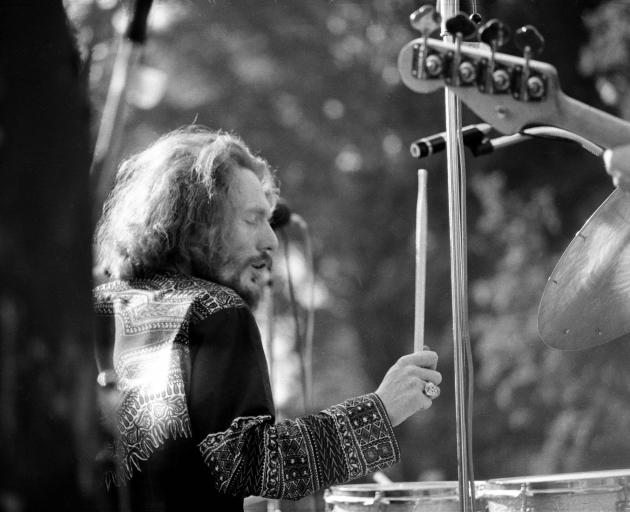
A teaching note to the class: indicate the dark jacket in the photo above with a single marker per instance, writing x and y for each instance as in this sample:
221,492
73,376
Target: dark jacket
195,422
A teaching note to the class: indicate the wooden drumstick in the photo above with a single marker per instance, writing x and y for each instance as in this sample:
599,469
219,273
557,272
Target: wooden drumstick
421,259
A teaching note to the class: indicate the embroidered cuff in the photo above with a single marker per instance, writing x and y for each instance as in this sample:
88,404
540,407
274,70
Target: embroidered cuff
223,452
366,434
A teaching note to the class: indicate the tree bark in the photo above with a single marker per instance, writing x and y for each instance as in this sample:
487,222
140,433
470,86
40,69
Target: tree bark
45,263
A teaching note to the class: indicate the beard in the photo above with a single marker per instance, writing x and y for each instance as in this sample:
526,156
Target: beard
247,277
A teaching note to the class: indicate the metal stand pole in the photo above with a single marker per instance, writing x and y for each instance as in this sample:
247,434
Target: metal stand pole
458,244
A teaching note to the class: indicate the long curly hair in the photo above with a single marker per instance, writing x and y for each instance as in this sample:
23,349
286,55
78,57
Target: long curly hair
167,209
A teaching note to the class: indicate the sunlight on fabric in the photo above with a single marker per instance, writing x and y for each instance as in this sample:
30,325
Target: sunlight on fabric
152,375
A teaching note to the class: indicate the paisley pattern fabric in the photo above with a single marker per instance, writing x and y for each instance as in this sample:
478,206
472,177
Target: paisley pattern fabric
192,383
152,317
153,409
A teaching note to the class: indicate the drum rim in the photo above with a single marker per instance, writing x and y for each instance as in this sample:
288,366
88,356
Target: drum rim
579,482
604,476
430,489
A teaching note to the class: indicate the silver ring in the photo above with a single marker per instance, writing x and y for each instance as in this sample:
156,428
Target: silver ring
431,390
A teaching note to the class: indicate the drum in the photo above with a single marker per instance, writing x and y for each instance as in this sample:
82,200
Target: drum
396,497
595,491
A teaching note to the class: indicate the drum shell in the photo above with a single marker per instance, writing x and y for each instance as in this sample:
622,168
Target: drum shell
597,491
439,496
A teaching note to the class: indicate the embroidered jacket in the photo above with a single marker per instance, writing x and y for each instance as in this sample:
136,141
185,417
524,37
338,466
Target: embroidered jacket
195,425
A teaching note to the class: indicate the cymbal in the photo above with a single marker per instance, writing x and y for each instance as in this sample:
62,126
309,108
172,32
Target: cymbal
586,301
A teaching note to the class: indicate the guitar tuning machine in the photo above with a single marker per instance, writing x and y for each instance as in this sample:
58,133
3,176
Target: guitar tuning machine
425,65
535,87
434,66
425,20
500,80
530,42
476,18
495,34
461,27
467,73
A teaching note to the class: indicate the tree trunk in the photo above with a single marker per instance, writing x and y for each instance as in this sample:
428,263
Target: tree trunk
46,364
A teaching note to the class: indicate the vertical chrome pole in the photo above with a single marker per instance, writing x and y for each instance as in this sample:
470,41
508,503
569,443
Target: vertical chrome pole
459,276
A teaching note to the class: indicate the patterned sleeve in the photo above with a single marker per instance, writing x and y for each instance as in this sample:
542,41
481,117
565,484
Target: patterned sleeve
233,425
295,458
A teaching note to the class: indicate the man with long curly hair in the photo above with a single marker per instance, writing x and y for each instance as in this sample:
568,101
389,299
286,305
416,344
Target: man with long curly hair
185,247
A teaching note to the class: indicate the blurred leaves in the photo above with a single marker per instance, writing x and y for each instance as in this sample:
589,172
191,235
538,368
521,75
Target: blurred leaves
313,86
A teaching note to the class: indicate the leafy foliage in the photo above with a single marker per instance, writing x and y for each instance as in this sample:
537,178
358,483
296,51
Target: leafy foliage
313,86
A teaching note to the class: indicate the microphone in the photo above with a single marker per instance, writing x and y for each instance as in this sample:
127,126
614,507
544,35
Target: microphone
473,135
281,216
137,30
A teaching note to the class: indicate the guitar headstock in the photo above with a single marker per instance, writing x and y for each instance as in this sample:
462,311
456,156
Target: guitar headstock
506,91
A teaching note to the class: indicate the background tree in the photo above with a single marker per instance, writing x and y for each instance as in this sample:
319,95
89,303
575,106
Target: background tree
46,365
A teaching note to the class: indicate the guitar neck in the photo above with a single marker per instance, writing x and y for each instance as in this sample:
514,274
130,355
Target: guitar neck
505,111
595,125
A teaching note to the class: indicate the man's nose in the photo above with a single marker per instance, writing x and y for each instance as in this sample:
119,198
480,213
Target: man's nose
268,240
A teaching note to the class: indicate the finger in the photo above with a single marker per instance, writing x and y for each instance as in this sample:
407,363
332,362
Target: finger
422,358
431,376
424,374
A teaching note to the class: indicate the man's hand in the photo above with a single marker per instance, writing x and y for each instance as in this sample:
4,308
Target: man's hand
617,161
402,388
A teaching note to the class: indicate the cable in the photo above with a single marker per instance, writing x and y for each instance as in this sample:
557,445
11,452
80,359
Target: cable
295,314
304,336
538,132
554,133
310,309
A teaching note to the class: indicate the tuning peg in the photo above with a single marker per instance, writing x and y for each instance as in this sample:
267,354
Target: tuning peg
476,18
425,20
528,37
460,24
494,33
530,42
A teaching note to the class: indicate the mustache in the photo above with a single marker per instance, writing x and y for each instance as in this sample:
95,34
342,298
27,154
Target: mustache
263,259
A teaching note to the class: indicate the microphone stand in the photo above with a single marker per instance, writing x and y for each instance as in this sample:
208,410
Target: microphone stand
272,504
459,286
103,163
109,137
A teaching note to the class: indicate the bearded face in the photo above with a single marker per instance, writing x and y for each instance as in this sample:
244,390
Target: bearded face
243,260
